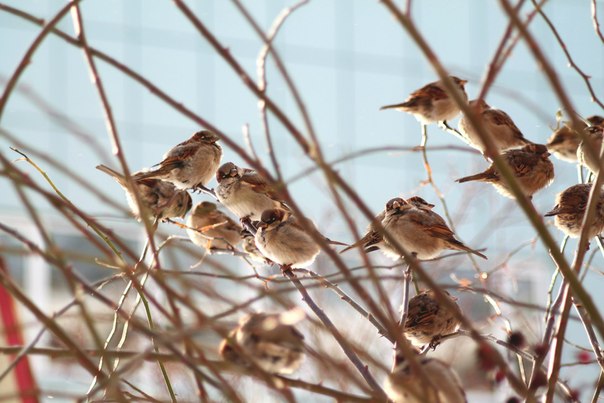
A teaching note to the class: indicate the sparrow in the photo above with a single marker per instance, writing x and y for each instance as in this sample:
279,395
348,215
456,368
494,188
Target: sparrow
530,165
161,199
504,133
427,321
419,230
405,386
431,103
266,340
211,229
570,208
281,239
595,133
190,164
563,143
244,192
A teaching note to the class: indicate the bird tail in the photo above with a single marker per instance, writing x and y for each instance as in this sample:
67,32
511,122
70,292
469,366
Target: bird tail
394,106
554,212
354,245
332,242
455,244
478,177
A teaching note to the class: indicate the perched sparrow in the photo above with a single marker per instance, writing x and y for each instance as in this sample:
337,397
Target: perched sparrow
530,165
405,386
504,133
211,229
265,339
595,133
192,163
161,198
431,103
563,143
281,239
419,230
427,320
570,209
244,192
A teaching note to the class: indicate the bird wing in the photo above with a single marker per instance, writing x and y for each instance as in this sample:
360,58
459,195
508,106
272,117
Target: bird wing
176,157
421,314
500,118
258,184
522,162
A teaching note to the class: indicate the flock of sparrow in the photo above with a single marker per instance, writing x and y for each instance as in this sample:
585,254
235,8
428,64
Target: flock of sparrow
270,232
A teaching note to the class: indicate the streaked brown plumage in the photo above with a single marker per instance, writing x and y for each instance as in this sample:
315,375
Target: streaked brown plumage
428,320
245,192
161,198
504,132
211,229
190,164
431,103
271,344
570,208
420,231
442,386
531,167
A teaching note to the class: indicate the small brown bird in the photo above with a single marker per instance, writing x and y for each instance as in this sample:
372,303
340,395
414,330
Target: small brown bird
211,229
281,239
570,210
531,167
442,385
419,230
190,164
595,133
563,143
427,320
268,340
504,133
244,192
431,103
160,198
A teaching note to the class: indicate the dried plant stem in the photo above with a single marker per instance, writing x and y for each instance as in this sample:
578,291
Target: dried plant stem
352,356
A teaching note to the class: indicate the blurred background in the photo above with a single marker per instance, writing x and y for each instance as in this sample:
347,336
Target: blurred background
347,59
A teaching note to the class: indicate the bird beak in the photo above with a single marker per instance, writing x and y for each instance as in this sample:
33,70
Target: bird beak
464,82
262,225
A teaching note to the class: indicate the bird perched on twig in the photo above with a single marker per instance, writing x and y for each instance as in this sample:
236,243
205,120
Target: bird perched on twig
270,341
282,239
570,208
595,133
211,229
504,133
428,320
190,164
432,103
245,192
563,143
419,230
161,199
439,385
530,165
